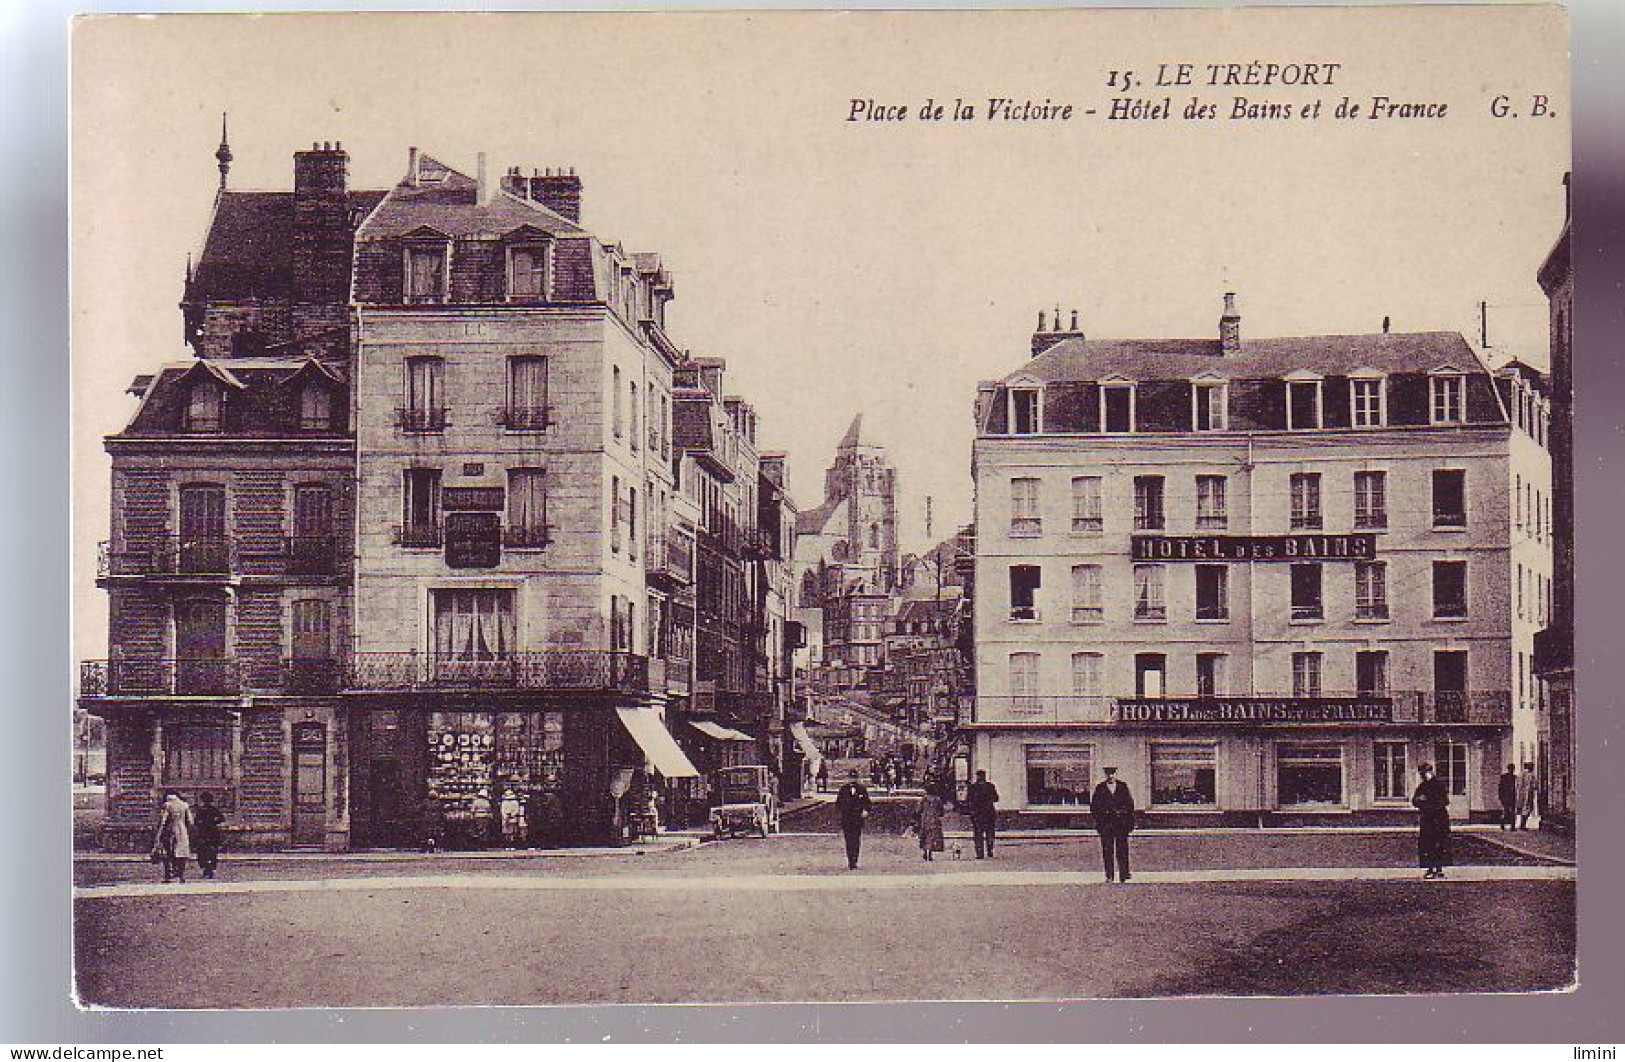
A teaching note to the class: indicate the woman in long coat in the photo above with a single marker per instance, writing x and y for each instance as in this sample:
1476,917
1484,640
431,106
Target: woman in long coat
173,845
928,825
1432,799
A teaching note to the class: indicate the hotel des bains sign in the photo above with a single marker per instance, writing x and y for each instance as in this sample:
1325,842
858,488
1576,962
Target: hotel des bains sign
1239,548
1254,710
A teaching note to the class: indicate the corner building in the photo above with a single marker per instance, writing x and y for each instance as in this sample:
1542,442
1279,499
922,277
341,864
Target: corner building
1265,579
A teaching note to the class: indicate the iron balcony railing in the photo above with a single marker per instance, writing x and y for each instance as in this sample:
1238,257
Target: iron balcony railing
524,418
670,557
421,420
1477,707
315,554
419,536
183,677
167,555
583,670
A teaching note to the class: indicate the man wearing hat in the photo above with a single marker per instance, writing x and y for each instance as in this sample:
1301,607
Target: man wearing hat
1112,807
852,807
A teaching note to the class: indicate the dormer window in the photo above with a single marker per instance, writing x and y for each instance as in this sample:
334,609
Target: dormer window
527,272
1449,397
1210,400
1117,402
426,272
1368,399
204,406
1025,410
315,408
1303,406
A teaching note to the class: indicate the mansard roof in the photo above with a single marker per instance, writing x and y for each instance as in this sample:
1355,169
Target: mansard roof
447,201
248,252
263,400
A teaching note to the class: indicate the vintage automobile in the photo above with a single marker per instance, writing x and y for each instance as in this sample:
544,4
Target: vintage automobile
744,802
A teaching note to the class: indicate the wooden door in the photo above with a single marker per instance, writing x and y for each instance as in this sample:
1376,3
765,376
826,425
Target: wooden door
201,548
309,784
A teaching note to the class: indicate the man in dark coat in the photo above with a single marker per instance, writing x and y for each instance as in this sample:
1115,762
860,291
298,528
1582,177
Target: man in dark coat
1507,790
207,819
1432,799
852,805
1112,807
982,801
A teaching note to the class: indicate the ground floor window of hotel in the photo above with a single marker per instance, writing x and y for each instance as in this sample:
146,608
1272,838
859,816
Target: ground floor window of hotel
473,632
1308,775
1450,760
1184,773
1389,775
1058,775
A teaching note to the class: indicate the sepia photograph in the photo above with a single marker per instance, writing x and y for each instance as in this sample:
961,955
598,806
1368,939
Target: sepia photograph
735,507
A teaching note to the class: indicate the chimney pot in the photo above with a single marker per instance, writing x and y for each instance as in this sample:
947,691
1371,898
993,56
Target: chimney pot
1041,320
1074,320
412,165
1385,325
1229,326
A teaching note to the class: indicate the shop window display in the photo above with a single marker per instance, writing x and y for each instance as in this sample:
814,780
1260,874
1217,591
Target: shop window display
1058,775
1309,775
494,776
1184,774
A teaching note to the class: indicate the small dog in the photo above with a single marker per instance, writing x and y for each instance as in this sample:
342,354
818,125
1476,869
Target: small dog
957,851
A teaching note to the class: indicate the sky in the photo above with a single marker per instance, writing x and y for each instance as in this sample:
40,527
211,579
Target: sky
845,267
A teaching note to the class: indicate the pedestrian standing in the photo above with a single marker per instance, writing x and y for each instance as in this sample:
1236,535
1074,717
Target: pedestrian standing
823,776
173,844
928,824
983,801
1112,807
1528,788
513,819
1507,791
852,805
206,834
1432,799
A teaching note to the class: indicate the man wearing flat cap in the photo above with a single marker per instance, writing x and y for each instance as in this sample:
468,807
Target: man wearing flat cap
1112,807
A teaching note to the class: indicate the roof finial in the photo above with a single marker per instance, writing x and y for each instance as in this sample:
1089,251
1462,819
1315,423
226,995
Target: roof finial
222,153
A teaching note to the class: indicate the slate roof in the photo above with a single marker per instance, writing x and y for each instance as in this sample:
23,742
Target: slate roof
450,205
1152,359
249,250
262,402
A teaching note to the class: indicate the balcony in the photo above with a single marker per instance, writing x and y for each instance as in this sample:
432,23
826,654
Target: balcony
314,554
1044,709
562,670
514,537
167,555
419,536
421,421
670,561
524,418
1404,707
185,677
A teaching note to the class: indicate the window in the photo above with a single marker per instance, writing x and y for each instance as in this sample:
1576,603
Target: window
527,272
1148,512
1086,674
1117,407
1210,674
1371,672
1024,411
1184,773
1450,759
1449,398
615,389
1024,583
527,393
1025,521
1148,593
632,412
1086,594
652,419
1449,498
1367,402
1058,775
1306,501
1307,601
1211,502
615,513
1302,404
420,507
1308,775
1210,413
425,400
204,406
203,546
1389,773
1370,500
527,508
1306,674
312,630
1449,589
1150,675
426,273
631,523
315,408
472,626
197,754
665,435
1212,592
1449,683
1024,682
1086,516
1370,590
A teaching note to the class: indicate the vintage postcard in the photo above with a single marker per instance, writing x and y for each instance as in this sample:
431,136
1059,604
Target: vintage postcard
822,506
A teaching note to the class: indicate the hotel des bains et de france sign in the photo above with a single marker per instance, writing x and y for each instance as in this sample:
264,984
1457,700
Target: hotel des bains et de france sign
1253,547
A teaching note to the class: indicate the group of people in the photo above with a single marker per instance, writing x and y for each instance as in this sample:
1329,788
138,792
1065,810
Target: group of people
184,832
1517,795
1111,805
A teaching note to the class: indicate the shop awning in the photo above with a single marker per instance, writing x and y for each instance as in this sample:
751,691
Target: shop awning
809,749
656,742
718,731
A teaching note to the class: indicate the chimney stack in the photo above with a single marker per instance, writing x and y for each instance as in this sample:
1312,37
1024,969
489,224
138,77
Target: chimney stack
559,192
1230,326
1051,332
322,236
482,182
412,166
514,183
1386,324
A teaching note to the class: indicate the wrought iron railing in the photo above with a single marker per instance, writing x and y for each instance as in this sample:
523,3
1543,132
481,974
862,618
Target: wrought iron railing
524,418
548,669
167,555
671,556
184,677
314,554
419,536
423,420
1477,707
